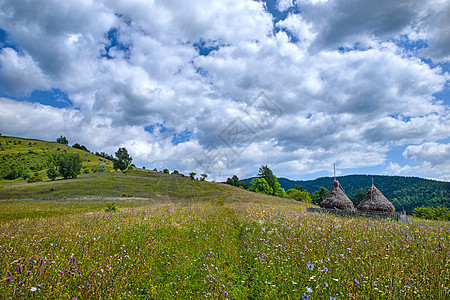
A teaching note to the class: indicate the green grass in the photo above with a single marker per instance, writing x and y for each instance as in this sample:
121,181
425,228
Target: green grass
89,192
186,239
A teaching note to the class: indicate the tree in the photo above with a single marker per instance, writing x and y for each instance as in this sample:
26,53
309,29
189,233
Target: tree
203,177
52,172
260,185
266,173
81,147
359,196
192,175
236,181
298,195
123,159
278,190
320,195
298,187
62,140
175,172
166,171
69,164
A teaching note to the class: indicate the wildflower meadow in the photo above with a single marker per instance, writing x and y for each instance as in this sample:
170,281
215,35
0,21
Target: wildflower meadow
236,249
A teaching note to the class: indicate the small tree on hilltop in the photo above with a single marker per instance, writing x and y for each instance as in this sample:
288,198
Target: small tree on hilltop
62,140
204,176
236,181
123,159
266,173
192,175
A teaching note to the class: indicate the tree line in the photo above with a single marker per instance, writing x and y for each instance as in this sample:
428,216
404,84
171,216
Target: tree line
267,183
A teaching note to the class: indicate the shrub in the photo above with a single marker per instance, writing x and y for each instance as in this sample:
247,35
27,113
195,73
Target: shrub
298,195
110,206
52,172
440,213
12,173
35,178
166,171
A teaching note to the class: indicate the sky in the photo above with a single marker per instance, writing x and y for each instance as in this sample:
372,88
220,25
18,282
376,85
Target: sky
223,87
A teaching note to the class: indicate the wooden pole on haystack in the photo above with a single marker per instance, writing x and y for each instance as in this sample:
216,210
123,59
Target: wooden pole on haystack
334,173
334,167
371,190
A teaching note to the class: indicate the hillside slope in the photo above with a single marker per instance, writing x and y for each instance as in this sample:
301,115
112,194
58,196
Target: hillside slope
21,157
132,188
404,192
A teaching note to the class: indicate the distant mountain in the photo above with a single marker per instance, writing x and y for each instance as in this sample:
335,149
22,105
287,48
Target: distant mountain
404,192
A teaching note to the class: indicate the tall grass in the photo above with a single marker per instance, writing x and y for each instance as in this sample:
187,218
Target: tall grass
235,248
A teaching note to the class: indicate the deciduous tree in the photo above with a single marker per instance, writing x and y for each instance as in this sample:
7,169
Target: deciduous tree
69,165
122,160
62,140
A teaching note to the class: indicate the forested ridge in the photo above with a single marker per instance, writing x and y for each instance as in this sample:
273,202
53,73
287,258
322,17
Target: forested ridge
404,192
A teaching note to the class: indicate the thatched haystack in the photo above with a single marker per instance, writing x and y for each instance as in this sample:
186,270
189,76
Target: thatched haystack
337,199
376,201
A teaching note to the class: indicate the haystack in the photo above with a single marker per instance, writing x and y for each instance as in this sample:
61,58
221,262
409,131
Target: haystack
376,201
337,199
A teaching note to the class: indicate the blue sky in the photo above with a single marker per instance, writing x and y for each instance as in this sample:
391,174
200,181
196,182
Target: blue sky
224,87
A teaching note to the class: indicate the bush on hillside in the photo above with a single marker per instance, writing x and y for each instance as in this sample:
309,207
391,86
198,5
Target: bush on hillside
110,206
440,213
35,178
52,172
69,164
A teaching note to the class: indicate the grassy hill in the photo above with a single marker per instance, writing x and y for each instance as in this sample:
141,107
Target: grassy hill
404,192
22,157
91,192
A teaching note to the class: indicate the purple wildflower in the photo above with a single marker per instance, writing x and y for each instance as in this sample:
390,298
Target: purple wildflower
310,266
